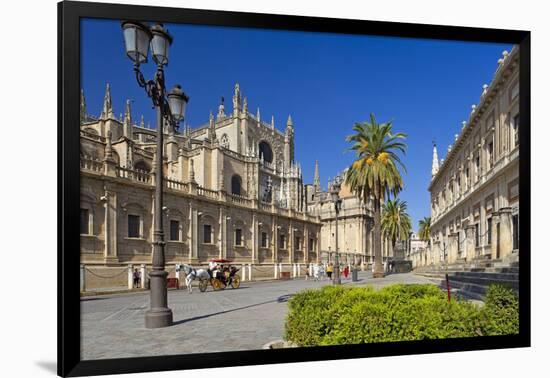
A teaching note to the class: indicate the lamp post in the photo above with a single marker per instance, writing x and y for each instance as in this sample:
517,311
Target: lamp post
170,108
334,194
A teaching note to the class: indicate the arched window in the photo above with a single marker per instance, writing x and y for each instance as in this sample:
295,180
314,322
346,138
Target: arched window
142,166
266,152
236,184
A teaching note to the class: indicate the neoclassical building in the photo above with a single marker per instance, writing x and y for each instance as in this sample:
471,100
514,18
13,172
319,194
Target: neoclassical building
474,189
233,190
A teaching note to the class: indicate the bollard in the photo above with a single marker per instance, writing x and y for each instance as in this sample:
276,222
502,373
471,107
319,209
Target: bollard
143,276
82,277
298,270
250,272
275,274
130,277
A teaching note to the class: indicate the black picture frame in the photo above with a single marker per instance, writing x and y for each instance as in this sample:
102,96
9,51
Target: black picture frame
69,15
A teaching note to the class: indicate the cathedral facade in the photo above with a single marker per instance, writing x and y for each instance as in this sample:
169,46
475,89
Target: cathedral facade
233,190
474,189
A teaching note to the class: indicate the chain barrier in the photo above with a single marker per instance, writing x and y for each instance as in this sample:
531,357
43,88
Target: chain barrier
125,271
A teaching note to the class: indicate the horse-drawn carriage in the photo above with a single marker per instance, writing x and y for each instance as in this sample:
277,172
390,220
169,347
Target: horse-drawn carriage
222,274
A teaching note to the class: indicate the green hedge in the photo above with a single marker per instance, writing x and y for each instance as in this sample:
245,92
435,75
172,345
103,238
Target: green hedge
341,315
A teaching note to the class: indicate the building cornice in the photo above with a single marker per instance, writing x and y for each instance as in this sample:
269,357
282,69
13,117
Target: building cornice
503,73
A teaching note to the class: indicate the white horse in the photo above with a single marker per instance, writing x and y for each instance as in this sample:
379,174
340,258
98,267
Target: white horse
192,274
318,272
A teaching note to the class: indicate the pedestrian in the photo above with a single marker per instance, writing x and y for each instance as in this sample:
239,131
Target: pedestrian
329,271
137,276
307,274
346,272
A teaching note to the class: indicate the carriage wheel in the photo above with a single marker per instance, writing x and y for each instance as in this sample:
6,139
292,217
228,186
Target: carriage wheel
203,285
216,284
236,282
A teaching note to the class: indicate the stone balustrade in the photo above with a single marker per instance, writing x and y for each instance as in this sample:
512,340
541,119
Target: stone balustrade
96,166
90,163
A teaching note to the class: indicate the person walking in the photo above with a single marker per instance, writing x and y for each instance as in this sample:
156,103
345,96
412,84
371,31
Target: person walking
329,271
346,272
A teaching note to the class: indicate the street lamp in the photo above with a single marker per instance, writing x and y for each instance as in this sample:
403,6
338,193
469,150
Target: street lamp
334,194
138,37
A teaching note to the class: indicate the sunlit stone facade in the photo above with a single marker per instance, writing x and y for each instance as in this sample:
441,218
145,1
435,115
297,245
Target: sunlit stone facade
474,189
233,190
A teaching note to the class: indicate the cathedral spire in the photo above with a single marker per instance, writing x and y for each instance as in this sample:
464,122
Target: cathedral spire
273,122
316,178
435,161
237,99
258,114
289,123
107,111
127,124
83,112
128,112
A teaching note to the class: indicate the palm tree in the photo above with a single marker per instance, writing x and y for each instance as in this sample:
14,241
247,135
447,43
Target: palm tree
395,222
374,175
424,228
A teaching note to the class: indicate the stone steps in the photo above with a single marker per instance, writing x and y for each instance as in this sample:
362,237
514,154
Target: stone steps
471,280
484,281
489,275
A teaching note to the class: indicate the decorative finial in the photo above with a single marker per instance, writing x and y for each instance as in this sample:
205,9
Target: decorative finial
107,111
474,108
221,109
83,111
237,99
128,113
142,122
289,121
456,137
485,86
463,124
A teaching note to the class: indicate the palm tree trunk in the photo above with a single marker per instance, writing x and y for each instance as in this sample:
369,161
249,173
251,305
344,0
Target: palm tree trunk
378,266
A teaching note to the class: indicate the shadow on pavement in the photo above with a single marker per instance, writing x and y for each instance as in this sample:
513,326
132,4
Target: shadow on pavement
281,299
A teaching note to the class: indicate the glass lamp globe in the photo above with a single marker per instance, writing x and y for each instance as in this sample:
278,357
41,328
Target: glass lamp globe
160,44
136,39
177,101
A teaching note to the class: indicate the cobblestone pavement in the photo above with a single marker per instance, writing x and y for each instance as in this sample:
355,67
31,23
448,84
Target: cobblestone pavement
227,320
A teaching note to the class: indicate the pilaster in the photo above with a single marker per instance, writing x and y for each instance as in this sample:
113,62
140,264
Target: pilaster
505,237
470,242
111,210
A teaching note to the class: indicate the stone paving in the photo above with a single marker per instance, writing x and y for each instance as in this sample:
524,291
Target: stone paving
227,320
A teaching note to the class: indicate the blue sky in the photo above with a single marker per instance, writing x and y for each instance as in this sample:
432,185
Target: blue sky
327,82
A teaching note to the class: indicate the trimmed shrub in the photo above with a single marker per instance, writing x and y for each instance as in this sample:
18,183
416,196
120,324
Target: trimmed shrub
339,315
501,311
